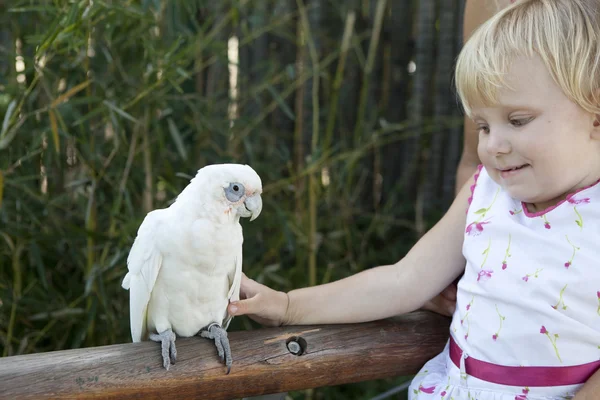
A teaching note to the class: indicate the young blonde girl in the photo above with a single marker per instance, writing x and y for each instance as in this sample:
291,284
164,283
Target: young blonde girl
524,231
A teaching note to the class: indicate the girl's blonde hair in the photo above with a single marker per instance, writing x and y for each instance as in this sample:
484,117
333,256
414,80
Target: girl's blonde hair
565,34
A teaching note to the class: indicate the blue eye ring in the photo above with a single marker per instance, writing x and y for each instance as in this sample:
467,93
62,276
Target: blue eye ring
234,192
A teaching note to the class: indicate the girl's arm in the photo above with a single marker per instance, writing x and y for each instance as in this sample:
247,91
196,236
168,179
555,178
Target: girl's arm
376,293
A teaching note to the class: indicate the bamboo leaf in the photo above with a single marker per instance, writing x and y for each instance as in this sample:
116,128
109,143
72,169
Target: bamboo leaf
9,112
9,241
72,17
69,93
10,135
51,35
54,128
43,9
183,73
36,259
284,107
119,111
176,135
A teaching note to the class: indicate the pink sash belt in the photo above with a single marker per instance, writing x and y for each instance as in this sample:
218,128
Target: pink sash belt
523,376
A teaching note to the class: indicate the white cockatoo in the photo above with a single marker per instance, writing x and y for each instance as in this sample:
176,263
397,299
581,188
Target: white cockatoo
185,265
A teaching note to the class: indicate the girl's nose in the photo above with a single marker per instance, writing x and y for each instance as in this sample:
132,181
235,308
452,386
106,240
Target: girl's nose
498,143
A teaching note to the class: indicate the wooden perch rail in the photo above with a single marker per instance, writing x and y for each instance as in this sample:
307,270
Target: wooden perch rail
263,363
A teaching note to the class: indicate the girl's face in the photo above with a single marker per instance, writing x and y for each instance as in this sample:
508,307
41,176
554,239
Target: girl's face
536,143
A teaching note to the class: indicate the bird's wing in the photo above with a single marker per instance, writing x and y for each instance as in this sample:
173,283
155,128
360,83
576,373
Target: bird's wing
234,291
144,262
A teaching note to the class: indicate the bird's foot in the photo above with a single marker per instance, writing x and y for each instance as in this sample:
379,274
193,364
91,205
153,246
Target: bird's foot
167,345
219,335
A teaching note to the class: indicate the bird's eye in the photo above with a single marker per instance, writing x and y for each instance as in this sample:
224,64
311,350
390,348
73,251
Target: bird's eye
234,192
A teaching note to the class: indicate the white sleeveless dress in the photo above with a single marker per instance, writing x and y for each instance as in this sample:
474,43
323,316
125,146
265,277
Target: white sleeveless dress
529,297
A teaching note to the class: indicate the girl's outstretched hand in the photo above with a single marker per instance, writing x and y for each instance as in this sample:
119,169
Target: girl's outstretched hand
261,303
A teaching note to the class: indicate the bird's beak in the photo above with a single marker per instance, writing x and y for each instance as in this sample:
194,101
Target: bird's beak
254,205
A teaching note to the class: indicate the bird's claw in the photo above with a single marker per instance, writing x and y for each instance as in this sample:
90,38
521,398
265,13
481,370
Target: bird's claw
219,335
167,345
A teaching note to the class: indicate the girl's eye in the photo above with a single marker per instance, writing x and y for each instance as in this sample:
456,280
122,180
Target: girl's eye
519,122
483,129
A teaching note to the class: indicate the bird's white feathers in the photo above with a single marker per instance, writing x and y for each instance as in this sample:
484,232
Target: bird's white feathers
186,262
144,262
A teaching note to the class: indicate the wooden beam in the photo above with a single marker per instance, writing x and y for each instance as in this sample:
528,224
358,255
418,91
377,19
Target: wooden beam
262,362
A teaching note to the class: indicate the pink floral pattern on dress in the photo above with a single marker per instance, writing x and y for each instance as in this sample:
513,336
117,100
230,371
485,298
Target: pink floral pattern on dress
422,389
572,200
575,250
532,275
502,318
546,223
523,396
552,338
575,202
443,392
506,254
579,220
485,274
466,317
561,302
476,227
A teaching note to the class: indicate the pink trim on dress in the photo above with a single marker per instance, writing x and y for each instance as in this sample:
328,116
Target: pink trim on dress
566,199
479,168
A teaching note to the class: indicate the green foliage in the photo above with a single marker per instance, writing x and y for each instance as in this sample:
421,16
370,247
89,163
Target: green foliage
118,105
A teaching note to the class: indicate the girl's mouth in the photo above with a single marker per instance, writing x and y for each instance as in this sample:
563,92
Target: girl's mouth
510,172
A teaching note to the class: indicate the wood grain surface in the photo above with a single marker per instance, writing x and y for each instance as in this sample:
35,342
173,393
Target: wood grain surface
262,363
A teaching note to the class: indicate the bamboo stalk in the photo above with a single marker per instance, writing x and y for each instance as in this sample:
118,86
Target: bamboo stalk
453,143
148,186
432,187
1,187
421,100
364,90
17,288
312,190
298,134
338,79
90,226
